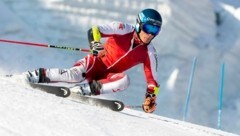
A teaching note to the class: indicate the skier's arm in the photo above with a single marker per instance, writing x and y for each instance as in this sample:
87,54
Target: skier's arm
94,35
94,38
107,30
150,69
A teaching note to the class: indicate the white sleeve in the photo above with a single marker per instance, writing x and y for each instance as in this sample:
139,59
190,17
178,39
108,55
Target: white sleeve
115,28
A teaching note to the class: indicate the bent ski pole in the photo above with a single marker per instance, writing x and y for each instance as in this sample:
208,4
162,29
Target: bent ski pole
45,45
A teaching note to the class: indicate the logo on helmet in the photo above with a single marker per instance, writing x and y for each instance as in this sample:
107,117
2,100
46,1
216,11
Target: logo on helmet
154,22
145,19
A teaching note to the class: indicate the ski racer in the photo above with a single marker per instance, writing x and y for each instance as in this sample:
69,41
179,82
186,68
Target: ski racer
102,71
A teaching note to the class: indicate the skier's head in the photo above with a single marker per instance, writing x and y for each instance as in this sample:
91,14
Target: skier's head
149,21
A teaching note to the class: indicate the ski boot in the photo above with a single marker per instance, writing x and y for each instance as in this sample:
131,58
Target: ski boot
93,88
36,76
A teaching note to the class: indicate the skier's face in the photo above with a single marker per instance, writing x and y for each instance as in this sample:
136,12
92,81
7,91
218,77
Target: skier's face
145,37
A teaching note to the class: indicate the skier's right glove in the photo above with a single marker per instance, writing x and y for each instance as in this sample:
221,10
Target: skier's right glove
97,49
149,104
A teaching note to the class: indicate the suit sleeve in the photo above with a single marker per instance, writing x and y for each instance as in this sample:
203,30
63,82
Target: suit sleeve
150,70
107,30
115,28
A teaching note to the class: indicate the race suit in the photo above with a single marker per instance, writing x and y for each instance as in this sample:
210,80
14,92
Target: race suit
123,50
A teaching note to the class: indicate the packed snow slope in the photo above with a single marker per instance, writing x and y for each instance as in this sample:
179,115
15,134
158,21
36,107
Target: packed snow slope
190,29
30,112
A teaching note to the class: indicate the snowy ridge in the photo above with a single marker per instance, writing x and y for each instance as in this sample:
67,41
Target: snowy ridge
27,111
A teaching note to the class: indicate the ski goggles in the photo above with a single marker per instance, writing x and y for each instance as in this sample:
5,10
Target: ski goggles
150,29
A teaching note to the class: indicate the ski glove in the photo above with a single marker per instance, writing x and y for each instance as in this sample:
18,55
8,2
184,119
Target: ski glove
149,104
97,49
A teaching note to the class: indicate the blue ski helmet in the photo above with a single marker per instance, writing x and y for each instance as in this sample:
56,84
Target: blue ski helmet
150,21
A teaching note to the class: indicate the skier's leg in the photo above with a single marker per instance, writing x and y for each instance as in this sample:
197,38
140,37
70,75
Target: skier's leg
114,82
74,74
42,75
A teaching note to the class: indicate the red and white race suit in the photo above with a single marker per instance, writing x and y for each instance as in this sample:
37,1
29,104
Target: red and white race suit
123,50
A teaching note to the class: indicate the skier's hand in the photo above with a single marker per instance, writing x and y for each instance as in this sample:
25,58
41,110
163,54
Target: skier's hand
149,104
97,49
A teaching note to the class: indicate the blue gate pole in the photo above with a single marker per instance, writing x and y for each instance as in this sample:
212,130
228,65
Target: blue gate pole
220,96
189,88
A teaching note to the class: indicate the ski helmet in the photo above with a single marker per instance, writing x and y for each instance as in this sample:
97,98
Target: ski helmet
150,21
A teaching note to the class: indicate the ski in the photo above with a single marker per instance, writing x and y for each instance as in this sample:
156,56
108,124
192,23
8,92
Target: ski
62,91
57,90
114,105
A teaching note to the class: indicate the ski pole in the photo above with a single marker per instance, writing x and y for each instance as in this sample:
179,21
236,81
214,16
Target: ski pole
45,45
133,106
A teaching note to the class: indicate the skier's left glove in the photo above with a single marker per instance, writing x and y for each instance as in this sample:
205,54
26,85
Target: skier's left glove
149,104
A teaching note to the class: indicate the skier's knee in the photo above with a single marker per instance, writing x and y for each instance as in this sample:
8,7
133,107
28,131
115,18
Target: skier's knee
121,82
77,74
125,82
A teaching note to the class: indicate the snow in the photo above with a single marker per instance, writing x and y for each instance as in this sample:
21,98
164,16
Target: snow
189,30
27,111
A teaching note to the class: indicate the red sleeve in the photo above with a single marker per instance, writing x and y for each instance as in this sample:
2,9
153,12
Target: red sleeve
150,69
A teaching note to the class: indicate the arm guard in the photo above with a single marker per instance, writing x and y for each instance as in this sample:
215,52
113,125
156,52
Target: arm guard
94,35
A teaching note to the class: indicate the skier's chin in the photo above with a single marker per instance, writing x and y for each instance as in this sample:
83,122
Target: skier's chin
146,40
